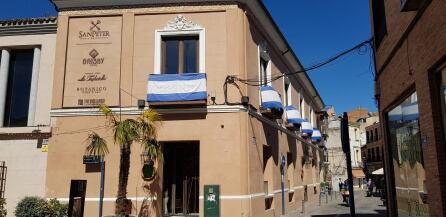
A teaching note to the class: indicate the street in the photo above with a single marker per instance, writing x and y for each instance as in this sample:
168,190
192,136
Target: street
365,207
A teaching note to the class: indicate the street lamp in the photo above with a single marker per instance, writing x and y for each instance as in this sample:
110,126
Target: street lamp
148,168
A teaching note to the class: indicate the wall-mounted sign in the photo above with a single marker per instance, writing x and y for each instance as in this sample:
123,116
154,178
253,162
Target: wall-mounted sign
44,148
211,201
44,145
93,60
93,64
95,31
91,159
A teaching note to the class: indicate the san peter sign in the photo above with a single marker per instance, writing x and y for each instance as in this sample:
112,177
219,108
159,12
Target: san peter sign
93,63
94,32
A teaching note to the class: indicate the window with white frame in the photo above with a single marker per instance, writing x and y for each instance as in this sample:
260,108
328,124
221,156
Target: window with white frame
287,91
312,117
180,47
18,76
264,66
302,107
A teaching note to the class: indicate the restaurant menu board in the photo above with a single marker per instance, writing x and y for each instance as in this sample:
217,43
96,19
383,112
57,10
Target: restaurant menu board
93,64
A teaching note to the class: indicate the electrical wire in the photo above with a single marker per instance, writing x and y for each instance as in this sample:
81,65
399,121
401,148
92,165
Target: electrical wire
361,48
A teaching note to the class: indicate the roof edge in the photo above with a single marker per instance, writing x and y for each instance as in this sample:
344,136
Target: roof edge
28,26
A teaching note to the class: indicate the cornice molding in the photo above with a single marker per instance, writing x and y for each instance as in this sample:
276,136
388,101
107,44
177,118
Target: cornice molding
137,111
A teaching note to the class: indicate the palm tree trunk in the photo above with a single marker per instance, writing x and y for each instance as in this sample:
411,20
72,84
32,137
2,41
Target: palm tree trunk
123,205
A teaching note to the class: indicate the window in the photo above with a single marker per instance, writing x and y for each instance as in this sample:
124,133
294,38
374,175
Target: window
180,51
411,5
371,136
404,142
180,54
18,88
302,107
379,21
376,134
287,93
265,65
369,155
368,138
312,118
441,84
263,72
378,154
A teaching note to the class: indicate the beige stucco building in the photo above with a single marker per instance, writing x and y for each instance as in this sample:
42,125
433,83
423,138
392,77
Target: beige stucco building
359,120
27,49
105,53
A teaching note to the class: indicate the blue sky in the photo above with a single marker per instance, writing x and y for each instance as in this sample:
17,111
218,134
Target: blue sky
316,30
319,29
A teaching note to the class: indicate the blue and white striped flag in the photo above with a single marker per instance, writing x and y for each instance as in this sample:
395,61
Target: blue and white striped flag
410,112
176,87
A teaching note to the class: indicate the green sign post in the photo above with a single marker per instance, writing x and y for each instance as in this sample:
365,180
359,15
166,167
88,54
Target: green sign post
211,201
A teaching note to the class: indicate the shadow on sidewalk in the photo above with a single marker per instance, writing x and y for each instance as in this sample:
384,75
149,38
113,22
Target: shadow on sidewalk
378,214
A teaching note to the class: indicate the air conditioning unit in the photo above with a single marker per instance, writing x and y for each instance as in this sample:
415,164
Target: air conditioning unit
411,5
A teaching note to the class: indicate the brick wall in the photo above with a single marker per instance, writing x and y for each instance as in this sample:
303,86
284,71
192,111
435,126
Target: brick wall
356,114
415,45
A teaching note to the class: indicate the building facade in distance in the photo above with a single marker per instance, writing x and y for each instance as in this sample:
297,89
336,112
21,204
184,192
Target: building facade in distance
410,51
27,49
360,120
372,151
182,57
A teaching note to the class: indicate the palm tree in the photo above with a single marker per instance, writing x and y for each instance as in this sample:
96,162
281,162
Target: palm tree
126,132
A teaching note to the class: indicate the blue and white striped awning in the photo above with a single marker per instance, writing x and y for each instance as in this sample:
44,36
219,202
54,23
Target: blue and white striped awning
306,128
293,115
270,98
176,87
316,136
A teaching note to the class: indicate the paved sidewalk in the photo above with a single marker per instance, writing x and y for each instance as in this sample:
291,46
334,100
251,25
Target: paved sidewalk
365,207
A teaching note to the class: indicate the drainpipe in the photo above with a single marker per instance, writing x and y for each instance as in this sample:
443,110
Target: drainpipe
101,192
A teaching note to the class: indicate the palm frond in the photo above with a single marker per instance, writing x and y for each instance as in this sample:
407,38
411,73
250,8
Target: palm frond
147,130
108,113
148,125
96,145
150,115
153,149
